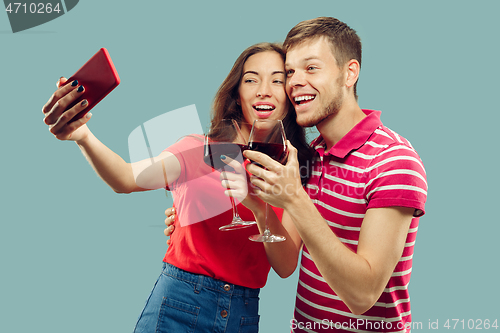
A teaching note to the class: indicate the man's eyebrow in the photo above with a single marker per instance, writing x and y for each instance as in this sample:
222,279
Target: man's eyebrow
256,73
312,58
305,60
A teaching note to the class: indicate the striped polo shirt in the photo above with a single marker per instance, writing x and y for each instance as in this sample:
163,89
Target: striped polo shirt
370,167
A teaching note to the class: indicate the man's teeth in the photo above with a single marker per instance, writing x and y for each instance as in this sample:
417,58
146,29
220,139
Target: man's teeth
263,107
303,98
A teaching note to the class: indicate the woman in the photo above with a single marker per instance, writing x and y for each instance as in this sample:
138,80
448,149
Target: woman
210,279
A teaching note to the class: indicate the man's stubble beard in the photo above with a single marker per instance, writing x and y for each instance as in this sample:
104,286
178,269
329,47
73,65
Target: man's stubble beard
328,111
324,113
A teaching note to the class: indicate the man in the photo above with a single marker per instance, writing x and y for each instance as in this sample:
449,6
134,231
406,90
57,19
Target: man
357,218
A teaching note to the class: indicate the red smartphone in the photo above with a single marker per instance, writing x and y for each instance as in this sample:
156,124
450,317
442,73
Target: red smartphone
99,77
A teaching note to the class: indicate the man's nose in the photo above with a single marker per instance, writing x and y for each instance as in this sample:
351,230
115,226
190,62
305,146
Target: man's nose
296,79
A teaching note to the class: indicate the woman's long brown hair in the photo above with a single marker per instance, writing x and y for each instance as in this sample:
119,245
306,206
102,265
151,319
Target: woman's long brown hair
225,106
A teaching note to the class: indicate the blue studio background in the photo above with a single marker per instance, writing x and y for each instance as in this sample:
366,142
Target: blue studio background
77,257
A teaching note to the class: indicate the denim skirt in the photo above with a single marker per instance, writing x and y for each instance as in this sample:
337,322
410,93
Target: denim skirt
183,302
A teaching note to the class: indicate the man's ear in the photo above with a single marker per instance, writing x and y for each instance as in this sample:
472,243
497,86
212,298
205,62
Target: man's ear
353,68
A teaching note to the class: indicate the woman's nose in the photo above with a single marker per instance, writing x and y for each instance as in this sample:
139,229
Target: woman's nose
264,90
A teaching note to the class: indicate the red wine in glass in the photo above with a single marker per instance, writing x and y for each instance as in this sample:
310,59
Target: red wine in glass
276,151
214,150
268,137
230,142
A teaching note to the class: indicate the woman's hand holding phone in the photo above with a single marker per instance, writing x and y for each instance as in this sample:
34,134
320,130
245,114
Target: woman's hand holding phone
66,111
59,119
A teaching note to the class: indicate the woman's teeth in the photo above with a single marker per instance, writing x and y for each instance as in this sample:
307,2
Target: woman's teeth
263,108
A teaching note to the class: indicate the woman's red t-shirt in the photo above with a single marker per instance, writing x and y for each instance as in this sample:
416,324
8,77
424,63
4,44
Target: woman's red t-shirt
197,244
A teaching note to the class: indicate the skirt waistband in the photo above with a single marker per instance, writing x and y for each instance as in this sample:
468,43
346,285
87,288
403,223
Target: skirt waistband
202,281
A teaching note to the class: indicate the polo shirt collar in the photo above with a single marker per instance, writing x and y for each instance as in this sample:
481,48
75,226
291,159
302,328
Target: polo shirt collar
354,139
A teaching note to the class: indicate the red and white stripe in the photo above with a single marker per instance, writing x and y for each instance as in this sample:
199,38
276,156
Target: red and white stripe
385,171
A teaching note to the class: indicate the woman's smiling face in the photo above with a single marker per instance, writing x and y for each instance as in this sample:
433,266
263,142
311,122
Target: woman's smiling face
262,87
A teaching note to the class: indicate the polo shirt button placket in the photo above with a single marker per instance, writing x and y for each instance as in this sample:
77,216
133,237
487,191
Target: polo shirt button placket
321,175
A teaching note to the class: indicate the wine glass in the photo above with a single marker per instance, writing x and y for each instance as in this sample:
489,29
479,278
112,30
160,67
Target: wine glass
268,137
226,139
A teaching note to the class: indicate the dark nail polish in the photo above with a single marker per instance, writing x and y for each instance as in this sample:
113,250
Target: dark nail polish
80,89
74,83
222,157
84,102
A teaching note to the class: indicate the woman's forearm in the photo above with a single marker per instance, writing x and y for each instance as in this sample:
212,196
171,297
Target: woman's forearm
112,169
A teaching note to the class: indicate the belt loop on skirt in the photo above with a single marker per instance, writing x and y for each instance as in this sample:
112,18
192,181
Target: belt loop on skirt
197,286
247,295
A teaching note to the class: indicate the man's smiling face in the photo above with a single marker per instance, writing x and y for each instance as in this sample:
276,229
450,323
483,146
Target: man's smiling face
314,83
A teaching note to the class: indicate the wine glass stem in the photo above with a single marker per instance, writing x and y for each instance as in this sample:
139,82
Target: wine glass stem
235,211
267,231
